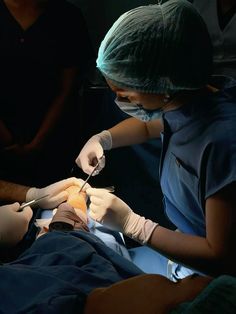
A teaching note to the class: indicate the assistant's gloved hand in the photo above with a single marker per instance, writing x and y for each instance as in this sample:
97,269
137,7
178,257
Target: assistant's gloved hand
57,193
13,224
93,151
111,211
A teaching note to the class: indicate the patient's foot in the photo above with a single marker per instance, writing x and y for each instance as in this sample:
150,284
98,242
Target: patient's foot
66,219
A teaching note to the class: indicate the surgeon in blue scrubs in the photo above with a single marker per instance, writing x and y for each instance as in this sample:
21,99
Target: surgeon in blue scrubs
158,61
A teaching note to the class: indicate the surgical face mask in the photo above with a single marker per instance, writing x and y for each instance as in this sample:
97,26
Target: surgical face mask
138,112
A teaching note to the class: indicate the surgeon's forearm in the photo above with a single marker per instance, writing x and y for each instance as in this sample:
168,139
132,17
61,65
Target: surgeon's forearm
12,192
192,251
133,131
213,253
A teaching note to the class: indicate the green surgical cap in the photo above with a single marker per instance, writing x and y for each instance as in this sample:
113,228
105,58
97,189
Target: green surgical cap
157,49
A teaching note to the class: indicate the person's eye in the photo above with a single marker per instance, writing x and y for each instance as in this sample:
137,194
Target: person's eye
123,98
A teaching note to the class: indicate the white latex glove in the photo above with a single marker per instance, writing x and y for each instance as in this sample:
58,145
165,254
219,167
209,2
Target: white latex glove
13,224
93,151
57,193
111,211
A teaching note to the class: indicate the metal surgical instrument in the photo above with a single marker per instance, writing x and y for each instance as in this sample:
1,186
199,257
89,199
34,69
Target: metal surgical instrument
35,201
95,168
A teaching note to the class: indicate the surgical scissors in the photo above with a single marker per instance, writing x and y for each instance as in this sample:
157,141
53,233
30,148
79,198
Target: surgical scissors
101,160
95,168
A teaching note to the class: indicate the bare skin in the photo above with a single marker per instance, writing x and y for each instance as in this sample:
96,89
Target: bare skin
226,5
26,12
145,294
12,192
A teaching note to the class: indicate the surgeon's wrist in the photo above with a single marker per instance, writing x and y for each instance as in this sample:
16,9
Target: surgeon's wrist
31,194
139,228
105,139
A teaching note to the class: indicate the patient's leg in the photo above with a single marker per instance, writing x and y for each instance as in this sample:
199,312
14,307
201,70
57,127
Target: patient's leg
77,200
71,215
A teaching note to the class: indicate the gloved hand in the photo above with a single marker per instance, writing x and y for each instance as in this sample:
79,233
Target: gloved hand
57,193
111,211
13,224
93,151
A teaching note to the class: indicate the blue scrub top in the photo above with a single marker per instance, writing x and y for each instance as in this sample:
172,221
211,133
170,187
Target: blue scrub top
198,156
